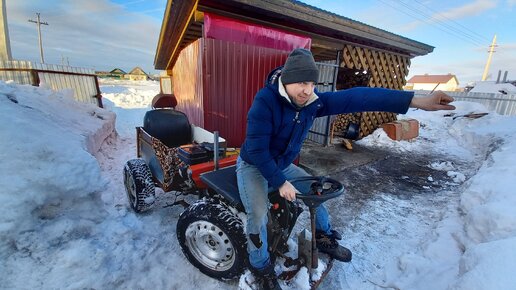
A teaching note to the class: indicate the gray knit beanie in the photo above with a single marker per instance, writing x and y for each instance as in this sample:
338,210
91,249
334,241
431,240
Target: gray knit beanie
299,67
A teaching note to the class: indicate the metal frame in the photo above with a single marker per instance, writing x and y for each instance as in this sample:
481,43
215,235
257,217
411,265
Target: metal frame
326,130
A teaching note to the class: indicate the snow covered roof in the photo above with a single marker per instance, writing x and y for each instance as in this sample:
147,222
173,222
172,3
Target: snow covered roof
493,87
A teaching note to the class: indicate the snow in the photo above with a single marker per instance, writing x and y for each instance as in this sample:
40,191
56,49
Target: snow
66,223
494,88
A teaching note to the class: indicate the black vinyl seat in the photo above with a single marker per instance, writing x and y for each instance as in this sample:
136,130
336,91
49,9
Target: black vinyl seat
171,127
164,101
224,182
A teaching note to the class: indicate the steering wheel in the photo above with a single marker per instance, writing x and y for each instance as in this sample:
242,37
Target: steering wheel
321,189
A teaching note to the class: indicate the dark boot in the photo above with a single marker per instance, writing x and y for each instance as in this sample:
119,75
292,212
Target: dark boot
336,235
328,244
266,278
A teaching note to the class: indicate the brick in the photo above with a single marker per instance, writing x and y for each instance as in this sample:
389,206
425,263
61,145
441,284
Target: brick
402,129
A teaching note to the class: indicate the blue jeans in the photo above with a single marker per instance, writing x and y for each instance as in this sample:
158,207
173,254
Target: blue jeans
254,191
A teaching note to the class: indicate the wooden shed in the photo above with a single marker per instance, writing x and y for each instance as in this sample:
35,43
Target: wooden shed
217,54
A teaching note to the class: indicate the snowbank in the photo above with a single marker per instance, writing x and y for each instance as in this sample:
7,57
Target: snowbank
48,142
474,244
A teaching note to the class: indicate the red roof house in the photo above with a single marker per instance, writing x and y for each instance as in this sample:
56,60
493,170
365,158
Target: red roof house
428,82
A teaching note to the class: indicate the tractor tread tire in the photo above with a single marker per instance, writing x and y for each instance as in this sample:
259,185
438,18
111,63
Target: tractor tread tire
139,185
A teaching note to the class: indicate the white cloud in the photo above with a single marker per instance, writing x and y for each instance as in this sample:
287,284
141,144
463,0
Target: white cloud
471,9
511,3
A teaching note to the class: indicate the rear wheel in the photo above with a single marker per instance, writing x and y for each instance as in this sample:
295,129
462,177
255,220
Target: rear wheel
212,238
139,185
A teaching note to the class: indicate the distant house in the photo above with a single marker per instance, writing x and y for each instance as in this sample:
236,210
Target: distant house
116,73
428,82
137,74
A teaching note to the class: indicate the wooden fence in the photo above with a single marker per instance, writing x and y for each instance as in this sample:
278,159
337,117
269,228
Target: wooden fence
82,81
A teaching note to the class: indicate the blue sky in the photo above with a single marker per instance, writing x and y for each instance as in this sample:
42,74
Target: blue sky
104,34
460,30
97,34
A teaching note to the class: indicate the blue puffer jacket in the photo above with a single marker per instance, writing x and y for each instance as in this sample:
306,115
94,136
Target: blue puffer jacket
276,128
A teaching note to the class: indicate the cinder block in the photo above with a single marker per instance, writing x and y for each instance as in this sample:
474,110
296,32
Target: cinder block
402,129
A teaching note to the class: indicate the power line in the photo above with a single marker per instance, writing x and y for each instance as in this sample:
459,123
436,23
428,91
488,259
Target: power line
481,37
438,21
418,16
472,36
432,19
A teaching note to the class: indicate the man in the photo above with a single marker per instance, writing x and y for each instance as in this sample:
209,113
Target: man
277,124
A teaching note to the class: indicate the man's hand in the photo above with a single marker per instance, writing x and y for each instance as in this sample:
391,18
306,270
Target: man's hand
288,191
433,102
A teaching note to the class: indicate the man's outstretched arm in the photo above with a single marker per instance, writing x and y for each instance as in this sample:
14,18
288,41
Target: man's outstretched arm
433,102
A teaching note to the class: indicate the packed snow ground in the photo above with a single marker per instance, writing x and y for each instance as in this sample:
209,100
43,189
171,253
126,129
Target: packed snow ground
66,224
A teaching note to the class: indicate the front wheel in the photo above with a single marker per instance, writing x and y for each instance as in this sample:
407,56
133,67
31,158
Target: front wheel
212,238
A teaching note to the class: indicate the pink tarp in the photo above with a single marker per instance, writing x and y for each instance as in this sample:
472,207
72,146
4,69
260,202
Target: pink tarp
222,28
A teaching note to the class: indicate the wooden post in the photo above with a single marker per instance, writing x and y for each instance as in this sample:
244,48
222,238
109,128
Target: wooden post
99,95
35,77
5,44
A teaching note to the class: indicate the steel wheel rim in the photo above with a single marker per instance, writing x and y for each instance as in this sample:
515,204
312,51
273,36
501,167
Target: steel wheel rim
210,246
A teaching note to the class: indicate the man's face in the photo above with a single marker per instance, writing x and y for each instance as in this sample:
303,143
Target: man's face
300,93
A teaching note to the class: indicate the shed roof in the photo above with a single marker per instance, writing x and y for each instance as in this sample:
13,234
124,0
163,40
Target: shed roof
117,71
431,79
183,20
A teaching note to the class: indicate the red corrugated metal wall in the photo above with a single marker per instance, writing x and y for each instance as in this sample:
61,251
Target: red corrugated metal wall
187,82
233,74
215,80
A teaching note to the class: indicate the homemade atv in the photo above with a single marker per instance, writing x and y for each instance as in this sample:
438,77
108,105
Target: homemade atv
187,160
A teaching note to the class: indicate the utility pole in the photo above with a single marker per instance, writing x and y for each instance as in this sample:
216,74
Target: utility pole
491,50
5,45
39,23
